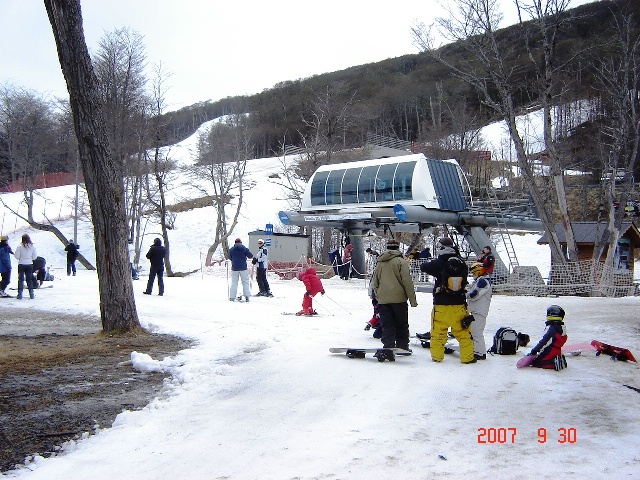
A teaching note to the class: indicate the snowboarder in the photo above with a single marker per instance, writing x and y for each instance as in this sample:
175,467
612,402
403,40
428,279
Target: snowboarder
479,300
393,286
261,260
72,254
156,256
550,346
449,304
5,265
239,255
313,286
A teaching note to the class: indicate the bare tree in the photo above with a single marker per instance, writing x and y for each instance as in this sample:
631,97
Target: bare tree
492,71
619,78
102,173
220,173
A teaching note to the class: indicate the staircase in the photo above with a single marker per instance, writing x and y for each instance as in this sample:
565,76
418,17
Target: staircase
496,211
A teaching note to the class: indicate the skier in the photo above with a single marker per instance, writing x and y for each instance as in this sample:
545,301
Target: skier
5,265
313,284
239,255
449,307
479,300
262,262
156,256
550,346
393,286
72,254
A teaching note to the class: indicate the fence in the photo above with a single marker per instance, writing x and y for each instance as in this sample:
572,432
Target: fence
584,278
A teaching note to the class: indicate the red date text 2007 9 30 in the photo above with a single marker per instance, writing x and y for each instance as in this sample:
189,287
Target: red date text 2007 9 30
508,435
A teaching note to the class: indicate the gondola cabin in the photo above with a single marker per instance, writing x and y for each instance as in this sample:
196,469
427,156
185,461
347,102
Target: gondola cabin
408,179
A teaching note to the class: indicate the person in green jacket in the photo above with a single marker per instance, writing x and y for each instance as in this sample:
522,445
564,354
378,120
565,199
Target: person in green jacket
393,286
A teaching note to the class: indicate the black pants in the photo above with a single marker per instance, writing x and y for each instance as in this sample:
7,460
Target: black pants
71,267
394,318
25,272
261,277
6,279
153,272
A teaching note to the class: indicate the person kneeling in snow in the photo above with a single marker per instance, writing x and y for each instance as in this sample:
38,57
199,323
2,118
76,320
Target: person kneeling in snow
313,284
550,346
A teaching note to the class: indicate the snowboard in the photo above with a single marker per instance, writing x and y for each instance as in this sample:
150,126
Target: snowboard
617,353
362,352
35,289
448,347
526,361
579,348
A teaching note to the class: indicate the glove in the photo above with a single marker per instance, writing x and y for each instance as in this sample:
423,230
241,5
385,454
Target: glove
254,261
307,293
367,326
466,321
322,292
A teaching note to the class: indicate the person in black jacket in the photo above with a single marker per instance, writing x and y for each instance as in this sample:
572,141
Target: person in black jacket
72,254
449,304
156,256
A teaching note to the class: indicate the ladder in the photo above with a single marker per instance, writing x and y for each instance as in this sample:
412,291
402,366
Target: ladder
503,231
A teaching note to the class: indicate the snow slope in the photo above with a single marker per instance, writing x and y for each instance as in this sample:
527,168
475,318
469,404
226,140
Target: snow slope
261,397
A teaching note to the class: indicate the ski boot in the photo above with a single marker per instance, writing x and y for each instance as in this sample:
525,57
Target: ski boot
385,354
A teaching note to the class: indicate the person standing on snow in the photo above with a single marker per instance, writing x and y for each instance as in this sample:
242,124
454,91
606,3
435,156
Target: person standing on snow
479,300
449,306
261,260
487,260
393,286
5,265
25,254
72,254
156,256
550,346
239,255
313,284
346,259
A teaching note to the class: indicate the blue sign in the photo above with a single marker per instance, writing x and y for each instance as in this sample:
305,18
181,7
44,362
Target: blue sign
267,242
400,212
284,218
268,229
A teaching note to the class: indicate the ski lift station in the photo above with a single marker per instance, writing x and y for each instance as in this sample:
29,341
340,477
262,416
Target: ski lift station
409,193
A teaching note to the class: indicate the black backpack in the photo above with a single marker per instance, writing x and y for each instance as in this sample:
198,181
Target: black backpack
453,277
505,342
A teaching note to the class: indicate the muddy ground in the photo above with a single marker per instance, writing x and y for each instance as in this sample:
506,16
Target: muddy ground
59,378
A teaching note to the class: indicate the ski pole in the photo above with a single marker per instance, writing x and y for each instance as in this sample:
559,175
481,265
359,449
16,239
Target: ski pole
325,308
325,295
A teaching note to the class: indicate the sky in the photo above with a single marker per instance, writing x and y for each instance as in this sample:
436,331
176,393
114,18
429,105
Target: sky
261,397
216,49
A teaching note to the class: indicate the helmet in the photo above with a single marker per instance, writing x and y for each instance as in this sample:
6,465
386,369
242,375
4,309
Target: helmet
554,312
477,269
260,241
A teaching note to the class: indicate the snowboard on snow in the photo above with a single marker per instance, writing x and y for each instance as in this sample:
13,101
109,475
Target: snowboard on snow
425,341
526,361
379,353
617,353
579,349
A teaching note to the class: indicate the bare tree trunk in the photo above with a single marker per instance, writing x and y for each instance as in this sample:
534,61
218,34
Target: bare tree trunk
103,176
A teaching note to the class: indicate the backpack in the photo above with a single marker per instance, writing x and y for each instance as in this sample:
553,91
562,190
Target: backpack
505,342
453,277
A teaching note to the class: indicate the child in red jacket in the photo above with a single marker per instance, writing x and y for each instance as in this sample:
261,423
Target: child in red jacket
313,284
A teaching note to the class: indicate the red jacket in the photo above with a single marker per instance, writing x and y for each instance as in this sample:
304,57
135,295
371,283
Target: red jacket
311,281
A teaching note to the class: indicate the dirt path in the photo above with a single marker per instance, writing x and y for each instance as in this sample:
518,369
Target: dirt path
59,378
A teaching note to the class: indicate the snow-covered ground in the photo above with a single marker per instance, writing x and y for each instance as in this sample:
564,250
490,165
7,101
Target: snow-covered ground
261,397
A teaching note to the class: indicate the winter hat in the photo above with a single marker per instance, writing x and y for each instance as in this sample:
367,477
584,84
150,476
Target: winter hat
157,241
260,240
446,241
238,240
393,245
4,238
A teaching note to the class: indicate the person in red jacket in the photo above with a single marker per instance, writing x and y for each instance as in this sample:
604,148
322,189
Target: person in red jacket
549,348
313,284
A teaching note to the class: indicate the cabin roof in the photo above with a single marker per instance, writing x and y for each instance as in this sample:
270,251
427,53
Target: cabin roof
585,233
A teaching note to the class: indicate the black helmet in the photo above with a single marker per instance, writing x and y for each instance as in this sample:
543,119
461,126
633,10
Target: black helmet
554,312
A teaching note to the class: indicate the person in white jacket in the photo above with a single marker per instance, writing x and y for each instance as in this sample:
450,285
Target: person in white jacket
25,254
479,300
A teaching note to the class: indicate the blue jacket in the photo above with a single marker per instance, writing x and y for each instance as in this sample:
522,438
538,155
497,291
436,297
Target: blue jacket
239,254
5,257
